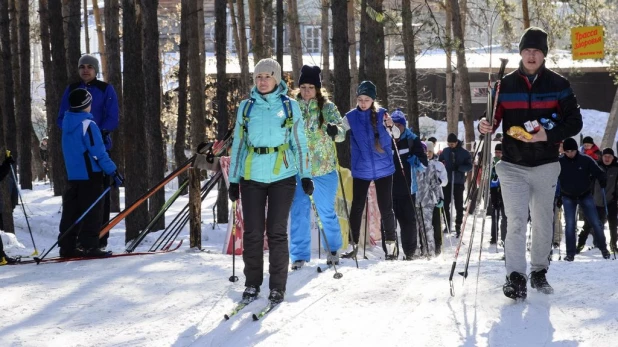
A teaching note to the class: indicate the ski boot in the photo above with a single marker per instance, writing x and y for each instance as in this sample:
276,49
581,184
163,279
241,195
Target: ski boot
250,293
71,252
538,281
352,253
569,258
96,253
276,296
391,250
332,258
515,287
297,265
605,253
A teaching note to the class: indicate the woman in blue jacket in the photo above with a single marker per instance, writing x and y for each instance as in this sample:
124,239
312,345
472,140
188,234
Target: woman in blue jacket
269,150
372,160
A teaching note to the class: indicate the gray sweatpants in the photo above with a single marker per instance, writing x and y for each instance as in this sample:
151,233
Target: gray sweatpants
522,188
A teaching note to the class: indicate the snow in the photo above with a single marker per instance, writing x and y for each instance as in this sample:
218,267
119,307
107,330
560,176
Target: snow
179,298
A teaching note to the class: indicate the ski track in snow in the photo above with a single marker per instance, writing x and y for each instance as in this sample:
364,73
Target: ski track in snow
179,299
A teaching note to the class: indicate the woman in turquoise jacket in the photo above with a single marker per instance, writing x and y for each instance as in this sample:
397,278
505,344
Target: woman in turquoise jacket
268,151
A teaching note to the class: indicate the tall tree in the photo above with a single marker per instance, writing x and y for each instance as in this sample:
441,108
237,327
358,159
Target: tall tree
50,108
86,33
296,50
97,20
133,94
240,43
24,103
280,24
525,12
256,23
462,69
7,102
374,53
222,93
15,71
341,72
151,71
181,121
410,59
352,50
612,125
325,44
114,77
452,117
54,94
73,38
195,34
268,28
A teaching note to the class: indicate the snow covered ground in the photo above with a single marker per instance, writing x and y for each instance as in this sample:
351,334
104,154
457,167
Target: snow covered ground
179,298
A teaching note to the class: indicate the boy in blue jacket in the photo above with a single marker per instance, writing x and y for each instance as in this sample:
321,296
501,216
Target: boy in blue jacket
86,161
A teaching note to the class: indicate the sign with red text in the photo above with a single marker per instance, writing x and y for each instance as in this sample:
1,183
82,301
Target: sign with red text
587,43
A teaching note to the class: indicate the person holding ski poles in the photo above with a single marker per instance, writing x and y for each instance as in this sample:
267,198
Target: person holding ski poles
437,213
496,208
526,98
322,126
409,146
5,168
372,160
268,151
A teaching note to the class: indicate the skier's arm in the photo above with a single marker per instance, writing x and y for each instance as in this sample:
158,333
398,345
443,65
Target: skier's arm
110,119
332,116
298,142
239,149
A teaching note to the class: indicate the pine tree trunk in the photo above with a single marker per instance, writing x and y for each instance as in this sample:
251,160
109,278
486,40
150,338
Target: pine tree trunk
268,28
362,42
375,53
73,38
51,104
181,122
525,12
452,117
133,96
8,97
352,50
86,33
325,44
341,72
195,208
245,79
114,78
296,51
196,74
410,59
152,108
15,71
280,21
222,94
99,26
256,22
612,125
24,103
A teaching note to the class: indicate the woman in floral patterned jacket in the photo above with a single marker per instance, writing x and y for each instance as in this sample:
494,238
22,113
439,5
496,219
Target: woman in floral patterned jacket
322,126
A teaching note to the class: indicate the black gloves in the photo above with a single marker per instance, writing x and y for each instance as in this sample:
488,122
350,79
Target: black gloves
602,183
331,130
559,201
307,185
233,191
118,179
9,159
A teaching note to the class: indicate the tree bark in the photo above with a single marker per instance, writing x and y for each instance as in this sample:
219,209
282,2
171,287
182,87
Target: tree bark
51,109
86,33
152,107
99,26
73,39
134,111
222,93
196,74
256,23
526,15
7,100
612,125
462,68
375,54
245,78
114,77
280,32
195,209
325,44
362,42
268,28
15,71
410,59
352,50
341,72
24,103
296,50
452,118
181,122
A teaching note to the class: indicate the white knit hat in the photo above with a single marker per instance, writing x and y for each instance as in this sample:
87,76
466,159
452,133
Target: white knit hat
269,66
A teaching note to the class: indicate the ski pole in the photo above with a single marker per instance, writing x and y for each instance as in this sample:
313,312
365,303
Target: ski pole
607,217
337,274
23,207
233,278
366,222
345,201
66,232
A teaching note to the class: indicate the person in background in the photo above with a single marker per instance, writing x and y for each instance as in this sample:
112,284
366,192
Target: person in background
322,126
498,217
371,148
268,151
436,217
590,149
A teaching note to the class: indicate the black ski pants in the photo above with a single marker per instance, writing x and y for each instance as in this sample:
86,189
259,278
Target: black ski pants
404,212
437,229
76,200
459,200
498,218
384,193
279,196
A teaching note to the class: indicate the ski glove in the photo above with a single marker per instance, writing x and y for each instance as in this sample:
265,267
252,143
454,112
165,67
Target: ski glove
332,130
307,185
118,179
233,191
9,159
440,203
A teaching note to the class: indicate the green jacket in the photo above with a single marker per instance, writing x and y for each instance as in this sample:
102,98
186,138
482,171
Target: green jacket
321,146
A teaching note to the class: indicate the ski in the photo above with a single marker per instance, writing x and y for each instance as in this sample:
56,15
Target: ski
264,311
242,304
322,269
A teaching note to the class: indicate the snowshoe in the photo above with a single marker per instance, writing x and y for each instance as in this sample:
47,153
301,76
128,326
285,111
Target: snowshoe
297,265
276,296
515,286
569,258
538,281
250,293
352,253
332,258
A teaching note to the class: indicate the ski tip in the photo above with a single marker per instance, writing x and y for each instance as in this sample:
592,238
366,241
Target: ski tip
37,260
255,317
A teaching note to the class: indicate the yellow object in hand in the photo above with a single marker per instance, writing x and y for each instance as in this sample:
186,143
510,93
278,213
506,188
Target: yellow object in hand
8,153
517,132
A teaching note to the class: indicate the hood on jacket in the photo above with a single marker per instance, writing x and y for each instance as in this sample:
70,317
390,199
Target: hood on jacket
73,121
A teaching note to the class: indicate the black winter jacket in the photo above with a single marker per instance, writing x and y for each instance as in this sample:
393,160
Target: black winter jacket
577,174
462,164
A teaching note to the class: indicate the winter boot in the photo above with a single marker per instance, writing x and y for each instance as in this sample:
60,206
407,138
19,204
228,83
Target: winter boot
580,247
250,293
297,265
605,253
515,286
352,253
276,296
538,281
569,258
332,258
71,252
96,253
391,250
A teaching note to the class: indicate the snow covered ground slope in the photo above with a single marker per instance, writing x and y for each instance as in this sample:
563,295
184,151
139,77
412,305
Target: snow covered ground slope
179,299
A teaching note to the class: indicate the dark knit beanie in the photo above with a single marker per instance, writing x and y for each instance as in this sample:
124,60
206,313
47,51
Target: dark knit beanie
569,145
498,147
367,88
432,139
88,59
311,75
534,37
452,138
588,139
608,150
79,99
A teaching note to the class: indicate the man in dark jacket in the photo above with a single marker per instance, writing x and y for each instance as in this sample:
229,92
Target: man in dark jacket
577,172
542,104
610,165
457,161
